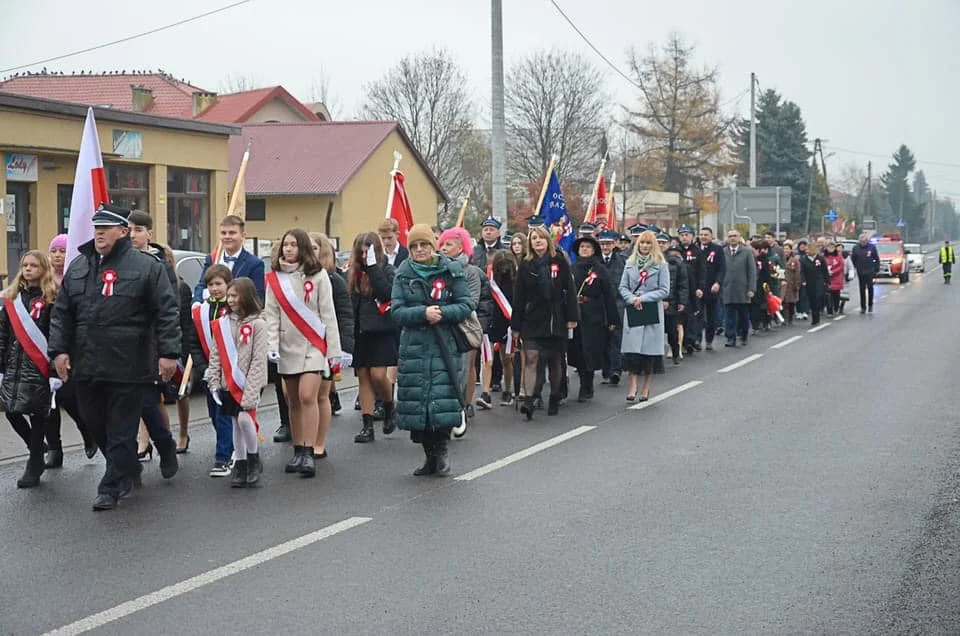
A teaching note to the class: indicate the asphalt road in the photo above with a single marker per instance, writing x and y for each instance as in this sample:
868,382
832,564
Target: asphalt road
813,489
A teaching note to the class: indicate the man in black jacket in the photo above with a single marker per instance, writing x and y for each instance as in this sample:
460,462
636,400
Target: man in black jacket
614,261
866,260
690,252
489,243
114,325
713,269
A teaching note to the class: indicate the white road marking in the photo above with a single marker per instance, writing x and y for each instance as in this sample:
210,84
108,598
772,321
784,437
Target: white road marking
666,395
527,452
178,589
787,342
737,365
818,328
841,317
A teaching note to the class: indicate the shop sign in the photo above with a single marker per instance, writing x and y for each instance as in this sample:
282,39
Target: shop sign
128,143
21,167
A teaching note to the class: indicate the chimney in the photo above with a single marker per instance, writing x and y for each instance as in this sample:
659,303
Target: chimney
142,98
203,100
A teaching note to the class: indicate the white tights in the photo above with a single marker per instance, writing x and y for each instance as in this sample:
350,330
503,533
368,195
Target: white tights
244,436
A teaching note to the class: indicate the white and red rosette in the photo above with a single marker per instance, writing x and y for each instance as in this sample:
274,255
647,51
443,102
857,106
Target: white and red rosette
644,274
36,307
222,312
554,270
109,278
307,290
438,286
591,277
245,332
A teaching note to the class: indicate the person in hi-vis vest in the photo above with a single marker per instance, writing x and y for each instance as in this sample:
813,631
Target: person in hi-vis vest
947,260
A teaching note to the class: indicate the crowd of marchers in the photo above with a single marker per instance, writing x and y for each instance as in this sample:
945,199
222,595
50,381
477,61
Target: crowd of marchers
434,326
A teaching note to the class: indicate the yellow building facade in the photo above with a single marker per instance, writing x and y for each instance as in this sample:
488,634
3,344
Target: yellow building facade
174,169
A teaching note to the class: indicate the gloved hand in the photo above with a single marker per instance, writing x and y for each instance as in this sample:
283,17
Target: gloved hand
273,356
371,255
55,384
346,359
216,397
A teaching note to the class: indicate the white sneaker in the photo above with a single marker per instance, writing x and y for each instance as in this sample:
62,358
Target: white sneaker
220,469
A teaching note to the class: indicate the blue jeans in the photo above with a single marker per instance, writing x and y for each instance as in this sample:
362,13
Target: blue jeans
736,320
223,426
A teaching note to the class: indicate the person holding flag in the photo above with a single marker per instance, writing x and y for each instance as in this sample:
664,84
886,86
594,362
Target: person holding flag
114,322
552,208
25,382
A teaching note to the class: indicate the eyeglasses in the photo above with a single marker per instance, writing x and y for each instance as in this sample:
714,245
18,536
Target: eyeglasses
420,245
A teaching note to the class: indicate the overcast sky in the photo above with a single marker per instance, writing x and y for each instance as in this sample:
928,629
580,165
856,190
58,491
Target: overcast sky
867,74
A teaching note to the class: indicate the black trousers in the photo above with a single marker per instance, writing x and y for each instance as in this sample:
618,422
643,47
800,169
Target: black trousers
816,305
66,400
612,364
947,270
708,318
671,324
112,411
274,376
866,290
30,431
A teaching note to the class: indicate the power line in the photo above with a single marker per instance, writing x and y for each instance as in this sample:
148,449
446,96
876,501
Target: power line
126,39
888,156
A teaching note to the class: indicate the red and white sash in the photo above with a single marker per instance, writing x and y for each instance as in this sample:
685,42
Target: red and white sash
201,320
505,308
229,360
303,318
32,340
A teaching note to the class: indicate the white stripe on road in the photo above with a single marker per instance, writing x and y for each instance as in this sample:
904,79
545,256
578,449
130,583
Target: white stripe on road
666,395
737,365
788,341
527,452
819,327
178,589
838,318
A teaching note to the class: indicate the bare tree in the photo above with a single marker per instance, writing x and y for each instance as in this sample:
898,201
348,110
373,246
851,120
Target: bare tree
428,94
320,91
238,83
554,105
679,116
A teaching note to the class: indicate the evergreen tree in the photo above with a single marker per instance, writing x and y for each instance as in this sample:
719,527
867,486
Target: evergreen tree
896,184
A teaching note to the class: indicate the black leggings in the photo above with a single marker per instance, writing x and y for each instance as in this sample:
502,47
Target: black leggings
31,432
533,381
671,323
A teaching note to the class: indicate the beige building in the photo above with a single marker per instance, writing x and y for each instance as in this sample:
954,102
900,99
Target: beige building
331,177
172,168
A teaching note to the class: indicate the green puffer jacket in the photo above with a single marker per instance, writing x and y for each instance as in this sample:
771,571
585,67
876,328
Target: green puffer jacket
426,397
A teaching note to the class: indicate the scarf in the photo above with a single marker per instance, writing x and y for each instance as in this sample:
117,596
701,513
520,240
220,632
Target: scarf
289,268
427,270
644,262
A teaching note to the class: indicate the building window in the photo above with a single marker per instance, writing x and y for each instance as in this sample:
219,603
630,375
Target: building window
64,199
129,186
256,209
188,210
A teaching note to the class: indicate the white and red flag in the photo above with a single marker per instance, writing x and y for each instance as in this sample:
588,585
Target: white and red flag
600,217
398,206
89,189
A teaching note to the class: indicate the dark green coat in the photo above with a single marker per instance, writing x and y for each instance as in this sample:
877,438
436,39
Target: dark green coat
426,396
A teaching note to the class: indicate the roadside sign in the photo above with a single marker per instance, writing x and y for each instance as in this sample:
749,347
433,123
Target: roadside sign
831,215
900,223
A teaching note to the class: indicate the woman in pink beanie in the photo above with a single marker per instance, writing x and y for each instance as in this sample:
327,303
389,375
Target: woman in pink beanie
58,256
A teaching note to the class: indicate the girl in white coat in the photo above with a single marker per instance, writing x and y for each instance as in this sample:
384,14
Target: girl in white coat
304,338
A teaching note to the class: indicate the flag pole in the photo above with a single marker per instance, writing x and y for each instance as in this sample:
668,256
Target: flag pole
612,201
463,211
238,182
546,181
592,208
396,167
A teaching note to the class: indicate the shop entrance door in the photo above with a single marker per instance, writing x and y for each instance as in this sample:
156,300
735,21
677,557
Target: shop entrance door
18,225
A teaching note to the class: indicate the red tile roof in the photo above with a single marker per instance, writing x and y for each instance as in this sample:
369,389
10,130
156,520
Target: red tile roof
311,158
171,98
237,108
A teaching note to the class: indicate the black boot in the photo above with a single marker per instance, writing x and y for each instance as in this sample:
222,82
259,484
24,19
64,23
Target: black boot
441,459
31,474
430,465
308,466
366,433
293,466
167,449
239,477
586,387
553,407
89,447
282,435
527,408
54,456
335,406
389,418
254,468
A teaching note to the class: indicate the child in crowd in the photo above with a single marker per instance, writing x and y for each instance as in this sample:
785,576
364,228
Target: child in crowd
217,278
25,383
237,374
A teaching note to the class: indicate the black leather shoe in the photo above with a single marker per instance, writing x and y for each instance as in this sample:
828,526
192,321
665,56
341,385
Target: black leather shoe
308,466
104,502
430,465
31,474
238,478
169,464
254,468
389,418
366,433
527,408
293,466
553,406
335,406
54,457
90,449
282,435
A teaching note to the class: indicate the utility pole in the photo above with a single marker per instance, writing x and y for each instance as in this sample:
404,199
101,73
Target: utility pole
753,130
813,178
498,146
869,207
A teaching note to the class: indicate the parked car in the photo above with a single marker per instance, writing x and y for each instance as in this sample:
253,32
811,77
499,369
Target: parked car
915,257
893,261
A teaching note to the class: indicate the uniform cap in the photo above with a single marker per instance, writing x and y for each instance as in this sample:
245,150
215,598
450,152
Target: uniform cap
110,216
491,222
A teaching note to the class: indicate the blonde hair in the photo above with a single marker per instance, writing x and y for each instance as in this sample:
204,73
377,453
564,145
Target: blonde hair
48,284
544,233
656,256
328,260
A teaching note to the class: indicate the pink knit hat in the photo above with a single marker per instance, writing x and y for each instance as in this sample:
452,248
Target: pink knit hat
462,235
59,241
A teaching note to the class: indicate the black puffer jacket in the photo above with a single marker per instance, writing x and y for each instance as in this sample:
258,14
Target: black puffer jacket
24,388
544,300
679,284
367,317
344,310
115,338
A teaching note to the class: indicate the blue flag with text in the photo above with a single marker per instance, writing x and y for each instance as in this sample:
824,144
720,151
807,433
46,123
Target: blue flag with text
553,210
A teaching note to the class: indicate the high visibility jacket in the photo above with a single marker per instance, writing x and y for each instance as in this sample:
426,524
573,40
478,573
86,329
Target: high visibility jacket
946,255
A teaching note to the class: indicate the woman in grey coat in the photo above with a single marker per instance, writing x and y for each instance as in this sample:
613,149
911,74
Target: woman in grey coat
646,279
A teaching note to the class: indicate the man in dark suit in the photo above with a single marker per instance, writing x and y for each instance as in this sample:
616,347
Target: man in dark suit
389,231
489,244
242,264
615,262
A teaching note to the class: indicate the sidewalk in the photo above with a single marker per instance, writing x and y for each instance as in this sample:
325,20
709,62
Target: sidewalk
12,447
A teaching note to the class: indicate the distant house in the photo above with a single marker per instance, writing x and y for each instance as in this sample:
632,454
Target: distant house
328,177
